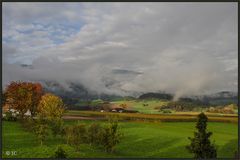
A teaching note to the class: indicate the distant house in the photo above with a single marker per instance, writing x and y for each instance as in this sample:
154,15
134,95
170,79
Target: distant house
117,109
113,110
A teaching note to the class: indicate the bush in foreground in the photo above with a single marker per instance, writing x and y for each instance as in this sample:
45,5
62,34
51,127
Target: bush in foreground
94,133
107,136
41,130
60,153
111,135
76,135
28,124
56,126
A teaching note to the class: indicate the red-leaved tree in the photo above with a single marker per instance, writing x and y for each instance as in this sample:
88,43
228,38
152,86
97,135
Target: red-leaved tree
23,96
37,92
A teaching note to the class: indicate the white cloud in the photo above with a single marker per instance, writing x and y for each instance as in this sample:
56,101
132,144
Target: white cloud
184,48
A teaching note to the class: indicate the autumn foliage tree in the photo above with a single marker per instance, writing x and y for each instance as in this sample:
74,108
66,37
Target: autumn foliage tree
23,96
37,92
51,108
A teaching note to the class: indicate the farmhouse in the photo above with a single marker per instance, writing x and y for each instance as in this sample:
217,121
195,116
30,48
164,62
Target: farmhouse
116,108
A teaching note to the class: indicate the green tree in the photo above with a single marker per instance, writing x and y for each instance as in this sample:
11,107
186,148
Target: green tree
52,109
111,135
200,145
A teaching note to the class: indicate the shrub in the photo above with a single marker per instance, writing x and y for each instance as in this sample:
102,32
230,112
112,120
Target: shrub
41,132
60,153
94,133
41,129
166,111
28,124
56,126
110,136
68,132
76,134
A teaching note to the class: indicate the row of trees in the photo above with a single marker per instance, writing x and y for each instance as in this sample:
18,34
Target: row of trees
104,136
46,118
28,96
46,110
228,109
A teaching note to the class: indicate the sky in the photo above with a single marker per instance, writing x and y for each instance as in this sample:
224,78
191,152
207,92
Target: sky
123,48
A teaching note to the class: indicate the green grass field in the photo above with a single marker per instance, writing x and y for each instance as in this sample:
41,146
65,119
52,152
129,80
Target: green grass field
141,139
132,104
147,106
139,105
173,117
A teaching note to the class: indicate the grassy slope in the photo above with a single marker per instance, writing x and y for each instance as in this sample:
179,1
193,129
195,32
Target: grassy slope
142,139
138,105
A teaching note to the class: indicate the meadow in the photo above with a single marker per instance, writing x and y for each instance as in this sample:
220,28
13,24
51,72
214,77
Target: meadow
139,105
154,106
173,117
143,139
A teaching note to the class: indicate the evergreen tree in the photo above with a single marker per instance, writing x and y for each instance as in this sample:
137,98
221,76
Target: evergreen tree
200,145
